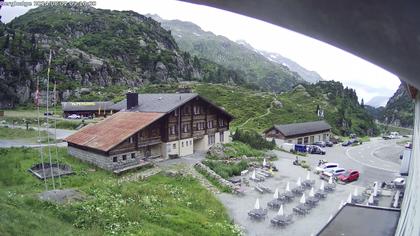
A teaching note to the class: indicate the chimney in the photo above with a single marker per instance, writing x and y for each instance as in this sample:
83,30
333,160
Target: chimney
132,100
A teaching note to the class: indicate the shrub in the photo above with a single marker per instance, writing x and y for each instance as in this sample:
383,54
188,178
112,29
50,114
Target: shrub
226,170
254,139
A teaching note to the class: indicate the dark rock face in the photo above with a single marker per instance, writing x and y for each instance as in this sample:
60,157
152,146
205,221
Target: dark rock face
90,47
399,109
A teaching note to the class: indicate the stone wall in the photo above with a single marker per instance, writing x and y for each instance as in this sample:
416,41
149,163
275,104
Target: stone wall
215,176
101,161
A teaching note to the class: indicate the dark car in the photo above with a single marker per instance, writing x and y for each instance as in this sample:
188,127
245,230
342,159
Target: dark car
329,144
349,176
320,143
346,143
48,113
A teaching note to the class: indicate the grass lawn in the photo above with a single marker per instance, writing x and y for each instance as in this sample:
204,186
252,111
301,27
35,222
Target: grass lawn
159,205
17,133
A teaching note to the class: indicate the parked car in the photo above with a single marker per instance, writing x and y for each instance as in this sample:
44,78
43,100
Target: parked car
346,143
73,116
312,149
335,140
326,166
333,172
329,144
320,143
349,176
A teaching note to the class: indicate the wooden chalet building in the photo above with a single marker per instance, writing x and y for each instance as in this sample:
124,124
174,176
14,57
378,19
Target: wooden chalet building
299,133
147,126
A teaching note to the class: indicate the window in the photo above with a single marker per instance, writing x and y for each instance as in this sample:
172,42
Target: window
221,123
133,155
174,146
186,128
197,110
299,141
131,140
182,144
172,130
115,159
222,137
190,142
211,139
305,140
186,143
176,112
209,124
124,157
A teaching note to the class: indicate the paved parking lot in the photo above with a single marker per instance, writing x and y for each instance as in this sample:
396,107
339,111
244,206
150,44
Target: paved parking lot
375,160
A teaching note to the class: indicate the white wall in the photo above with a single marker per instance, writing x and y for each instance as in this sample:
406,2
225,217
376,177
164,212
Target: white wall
183,147
227,137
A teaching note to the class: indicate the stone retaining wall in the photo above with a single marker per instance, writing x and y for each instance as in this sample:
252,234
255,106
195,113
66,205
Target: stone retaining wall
215,176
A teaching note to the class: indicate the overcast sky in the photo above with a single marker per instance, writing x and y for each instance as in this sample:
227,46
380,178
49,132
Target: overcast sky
330,62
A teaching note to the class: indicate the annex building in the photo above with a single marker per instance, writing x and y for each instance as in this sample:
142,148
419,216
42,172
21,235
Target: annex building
300,133
148,126
87,109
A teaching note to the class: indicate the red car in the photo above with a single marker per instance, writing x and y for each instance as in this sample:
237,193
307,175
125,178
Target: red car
349,176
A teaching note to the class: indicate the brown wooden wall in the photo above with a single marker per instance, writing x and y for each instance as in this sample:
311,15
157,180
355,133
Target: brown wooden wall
196,124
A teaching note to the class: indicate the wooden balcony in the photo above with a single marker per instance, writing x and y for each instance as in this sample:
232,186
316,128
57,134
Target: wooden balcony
149,141
199,133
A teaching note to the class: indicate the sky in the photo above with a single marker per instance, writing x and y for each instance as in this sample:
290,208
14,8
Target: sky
330,62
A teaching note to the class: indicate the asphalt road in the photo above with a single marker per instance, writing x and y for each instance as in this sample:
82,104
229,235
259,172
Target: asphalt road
377,160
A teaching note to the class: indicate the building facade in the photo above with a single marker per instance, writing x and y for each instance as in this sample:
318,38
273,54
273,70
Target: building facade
87,109
299,133
151,126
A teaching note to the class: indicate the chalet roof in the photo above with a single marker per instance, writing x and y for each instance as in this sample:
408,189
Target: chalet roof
302,128
113,130
86,106
157,102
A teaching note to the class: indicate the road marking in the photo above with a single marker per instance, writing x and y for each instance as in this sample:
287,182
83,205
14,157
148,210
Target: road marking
365,164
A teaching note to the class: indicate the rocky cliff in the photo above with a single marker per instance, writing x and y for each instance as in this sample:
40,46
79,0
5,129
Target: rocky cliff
90,48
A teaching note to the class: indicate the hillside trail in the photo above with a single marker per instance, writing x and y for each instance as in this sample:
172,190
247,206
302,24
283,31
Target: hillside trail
261,116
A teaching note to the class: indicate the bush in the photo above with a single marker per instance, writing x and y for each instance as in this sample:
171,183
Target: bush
254,139
226,170
238,149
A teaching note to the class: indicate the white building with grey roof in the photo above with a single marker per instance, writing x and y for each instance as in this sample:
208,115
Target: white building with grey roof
300,133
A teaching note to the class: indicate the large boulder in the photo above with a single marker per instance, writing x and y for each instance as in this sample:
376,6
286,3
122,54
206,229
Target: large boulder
218,151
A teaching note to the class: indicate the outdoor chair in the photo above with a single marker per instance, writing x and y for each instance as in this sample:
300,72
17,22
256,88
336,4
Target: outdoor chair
298,190
258,214
302,209
281,220
308,183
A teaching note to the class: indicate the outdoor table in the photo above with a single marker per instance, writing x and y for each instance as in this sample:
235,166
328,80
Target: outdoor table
257,213
357,199
308,183
288,195
281,220
329,187
275,203
302,208
298,190
312,201
320,194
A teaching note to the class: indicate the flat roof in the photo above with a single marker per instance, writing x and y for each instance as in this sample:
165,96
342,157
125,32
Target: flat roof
354,219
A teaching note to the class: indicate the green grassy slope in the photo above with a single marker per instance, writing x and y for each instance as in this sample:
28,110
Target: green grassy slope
159,205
